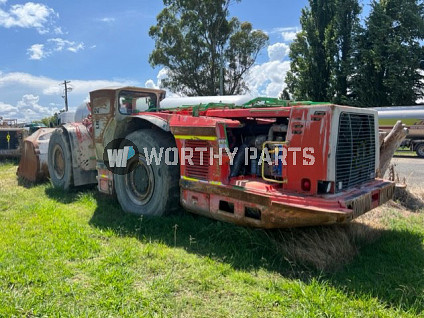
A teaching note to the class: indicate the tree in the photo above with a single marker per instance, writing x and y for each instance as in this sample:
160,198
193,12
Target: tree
50,121
285,95
193,39
312,53
389,54
321,55
347,28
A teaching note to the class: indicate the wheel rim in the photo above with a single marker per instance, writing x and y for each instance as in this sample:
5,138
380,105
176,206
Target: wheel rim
420,150
140,182
58,162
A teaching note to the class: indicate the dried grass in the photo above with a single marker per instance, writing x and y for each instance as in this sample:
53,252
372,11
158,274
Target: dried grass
329,248
411,199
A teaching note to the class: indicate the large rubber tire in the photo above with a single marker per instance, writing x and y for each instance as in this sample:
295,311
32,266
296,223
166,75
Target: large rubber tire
60,160
151,190
419,149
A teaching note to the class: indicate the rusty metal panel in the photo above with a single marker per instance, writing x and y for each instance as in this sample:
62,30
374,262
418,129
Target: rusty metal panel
83,155
33,165
279,209
103,112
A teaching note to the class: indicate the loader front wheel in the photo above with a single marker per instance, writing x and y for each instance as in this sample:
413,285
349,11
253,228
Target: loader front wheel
60,160
149,188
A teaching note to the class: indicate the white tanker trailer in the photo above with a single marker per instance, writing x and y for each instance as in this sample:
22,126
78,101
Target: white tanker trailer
412,117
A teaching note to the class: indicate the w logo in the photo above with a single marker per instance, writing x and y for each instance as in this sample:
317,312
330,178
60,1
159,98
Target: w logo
121,156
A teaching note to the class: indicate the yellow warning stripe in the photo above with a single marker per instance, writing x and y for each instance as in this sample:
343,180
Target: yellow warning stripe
197,180
189,179
191,137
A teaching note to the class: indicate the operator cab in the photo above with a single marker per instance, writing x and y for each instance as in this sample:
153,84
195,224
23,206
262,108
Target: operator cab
133,102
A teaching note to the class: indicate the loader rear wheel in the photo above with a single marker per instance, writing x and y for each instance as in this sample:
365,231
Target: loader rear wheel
419,149
149,189
60,160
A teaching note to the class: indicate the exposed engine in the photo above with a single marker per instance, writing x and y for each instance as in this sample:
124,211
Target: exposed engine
260,146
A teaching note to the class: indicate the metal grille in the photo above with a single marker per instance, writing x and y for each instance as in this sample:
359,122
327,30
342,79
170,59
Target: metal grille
199,169
355,157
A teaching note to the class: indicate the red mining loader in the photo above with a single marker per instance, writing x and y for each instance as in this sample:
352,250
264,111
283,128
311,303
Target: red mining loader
263,163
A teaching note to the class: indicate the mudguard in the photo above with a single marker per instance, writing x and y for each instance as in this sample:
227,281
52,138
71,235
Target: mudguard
83,155
155,120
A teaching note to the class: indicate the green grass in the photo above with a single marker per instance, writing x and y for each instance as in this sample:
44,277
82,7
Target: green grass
405,152
78,254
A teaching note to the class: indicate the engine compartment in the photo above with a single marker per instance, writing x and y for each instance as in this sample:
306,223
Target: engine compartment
259,144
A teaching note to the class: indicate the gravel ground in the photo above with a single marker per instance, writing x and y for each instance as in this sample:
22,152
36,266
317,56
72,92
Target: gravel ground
412,168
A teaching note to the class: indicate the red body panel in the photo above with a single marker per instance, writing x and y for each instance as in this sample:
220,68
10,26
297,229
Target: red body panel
306,130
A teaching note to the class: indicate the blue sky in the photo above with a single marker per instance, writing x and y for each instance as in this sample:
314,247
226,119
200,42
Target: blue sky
102,43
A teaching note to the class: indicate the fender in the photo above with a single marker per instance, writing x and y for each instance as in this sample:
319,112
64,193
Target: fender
155,120
83,155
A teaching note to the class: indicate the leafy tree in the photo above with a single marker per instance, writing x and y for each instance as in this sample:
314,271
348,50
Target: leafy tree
50,121
194,38
312,51
389,54
321,55
285,95
347,28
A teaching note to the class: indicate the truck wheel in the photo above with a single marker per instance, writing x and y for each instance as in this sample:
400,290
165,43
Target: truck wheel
419,149
153,189
60,160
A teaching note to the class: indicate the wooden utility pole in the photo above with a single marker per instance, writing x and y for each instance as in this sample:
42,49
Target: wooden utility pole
67,89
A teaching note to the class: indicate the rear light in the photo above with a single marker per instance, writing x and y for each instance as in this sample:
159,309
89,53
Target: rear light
306,185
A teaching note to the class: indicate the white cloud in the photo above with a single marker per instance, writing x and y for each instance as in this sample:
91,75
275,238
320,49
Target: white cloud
289,35
150,84
28,15
107,20
39,51
36,52
3,1
30,108
6,108
27,109
40,97
284,29
278,51
163,73
60,44
267,79
76,47
58,30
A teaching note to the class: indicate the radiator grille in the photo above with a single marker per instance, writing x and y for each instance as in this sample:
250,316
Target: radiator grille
199,170
355,157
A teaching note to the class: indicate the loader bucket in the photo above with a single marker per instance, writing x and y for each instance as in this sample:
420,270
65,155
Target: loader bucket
33,164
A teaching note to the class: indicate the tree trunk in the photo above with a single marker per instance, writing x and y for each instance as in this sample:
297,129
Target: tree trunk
389,146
